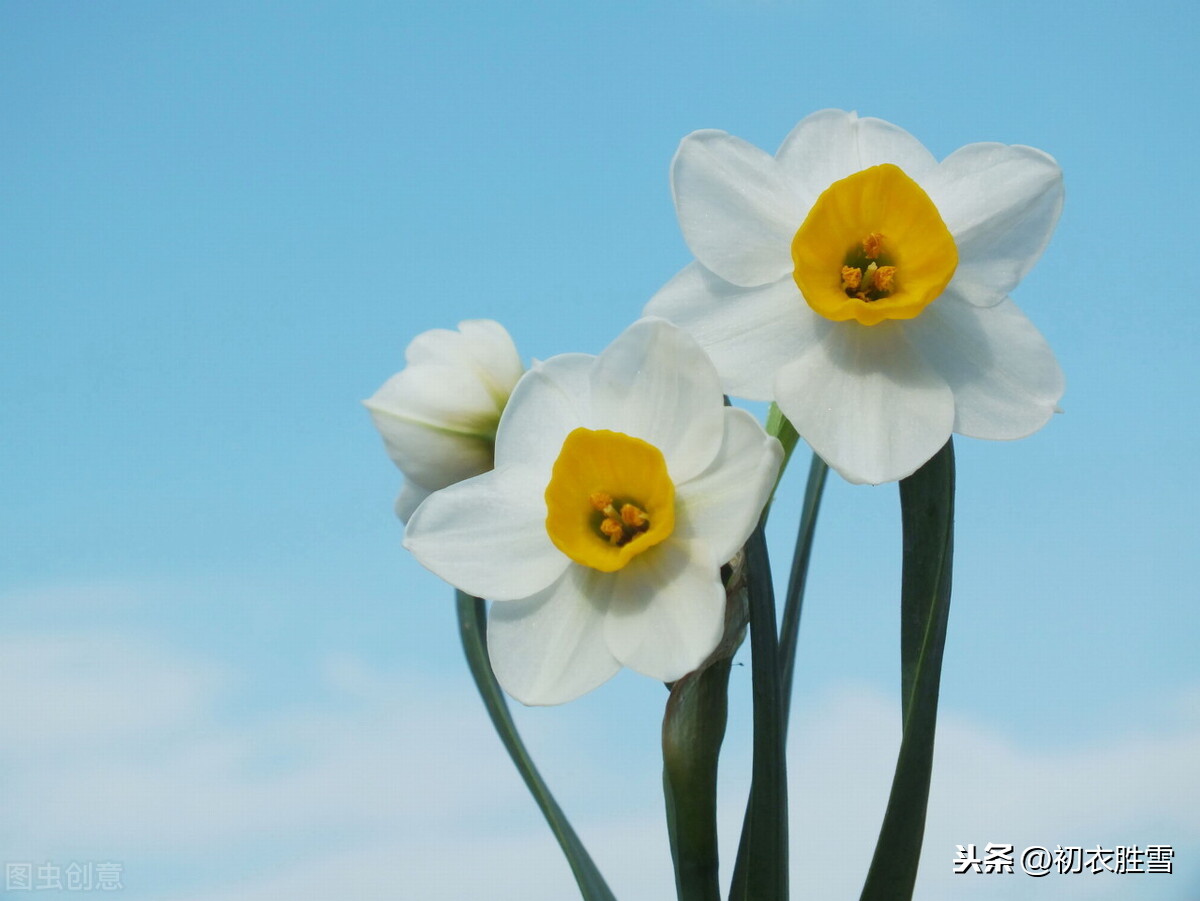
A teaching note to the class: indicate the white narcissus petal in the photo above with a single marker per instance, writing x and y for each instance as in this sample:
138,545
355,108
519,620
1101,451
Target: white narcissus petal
1005,379
748,332
480,346
655,383
560,627
551,399
666,612
550,648
432,457
458,380
410,497
450,398
831,144
438,416
882,142
492,352
722,505
737,214
863,396
867,403
487,536
1001,203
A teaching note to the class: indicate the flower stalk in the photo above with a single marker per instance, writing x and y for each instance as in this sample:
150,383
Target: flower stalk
789,630
472,627
761,870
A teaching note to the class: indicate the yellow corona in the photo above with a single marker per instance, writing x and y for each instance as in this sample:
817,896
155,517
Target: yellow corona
873,247
609,499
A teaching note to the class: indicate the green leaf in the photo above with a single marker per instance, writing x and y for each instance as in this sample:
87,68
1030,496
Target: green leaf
927,514
761,870
789,630
472,626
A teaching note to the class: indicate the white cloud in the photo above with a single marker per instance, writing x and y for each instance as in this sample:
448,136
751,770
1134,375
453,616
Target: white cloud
394,785
67,692
986,788
64,601
119,743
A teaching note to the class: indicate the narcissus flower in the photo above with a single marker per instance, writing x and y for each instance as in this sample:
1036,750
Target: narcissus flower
438,416
622,484
862,285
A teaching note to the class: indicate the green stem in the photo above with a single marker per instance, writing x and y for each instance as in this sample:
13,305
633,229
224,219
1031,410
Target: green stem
761,870
472,626
927,514
789,630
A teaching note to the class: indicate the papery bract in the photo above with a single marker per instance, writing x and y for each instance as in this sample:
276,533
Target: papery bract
622,484
862,285
438,416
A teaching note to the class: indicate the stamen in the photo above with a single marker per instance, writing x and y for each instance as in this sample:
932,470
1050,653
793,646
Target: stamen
619,527
633,517
883,278
872,247
604,503
612,529
609,499
868,281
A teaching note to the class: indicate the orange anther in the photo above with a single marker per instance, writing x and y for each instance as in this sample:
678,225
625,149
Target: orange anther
883,278
633,517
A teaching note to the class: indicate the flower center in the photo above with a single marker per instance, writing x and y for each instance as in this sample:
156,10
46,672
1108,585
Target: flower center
609,499
619,527
867,272
873,247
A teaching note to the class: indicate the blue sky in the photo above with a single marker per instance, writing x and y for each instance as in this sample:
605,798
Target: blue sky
223,222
